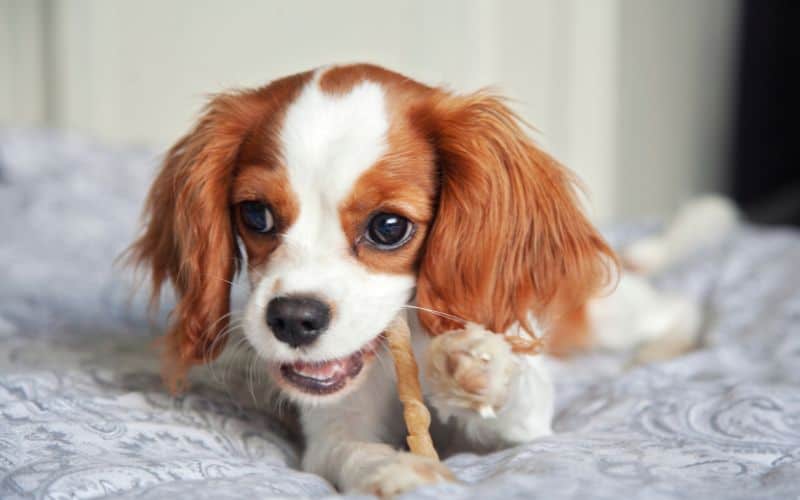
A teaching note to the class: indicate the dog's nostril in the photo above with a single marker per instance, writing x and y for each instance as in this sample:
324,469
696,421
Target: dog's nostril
297,320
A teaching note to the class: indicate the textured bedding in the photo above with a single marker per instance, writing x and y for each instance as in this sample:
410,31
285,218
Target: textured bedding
83,414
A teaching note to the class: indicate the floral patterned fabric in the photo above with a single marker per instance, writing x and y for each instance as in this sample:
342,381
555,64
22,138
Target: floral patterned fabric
83,413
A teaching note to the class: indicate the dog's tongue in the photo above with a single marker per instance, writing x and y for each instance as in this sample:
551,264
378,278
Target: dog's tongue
335,369
324,377
322,371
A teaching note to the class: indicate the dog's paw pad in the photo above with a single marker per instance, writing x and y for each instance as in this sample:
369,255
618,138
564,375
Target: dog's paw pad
470,369
401,473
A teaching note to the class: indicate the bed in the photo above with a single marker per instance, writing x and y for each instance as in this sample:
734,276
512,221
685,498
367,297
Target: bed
83,413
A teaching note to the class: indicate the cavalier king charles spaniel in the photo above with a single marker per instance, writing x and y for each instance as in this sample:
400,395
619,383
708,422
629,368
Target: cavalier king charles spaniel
352,194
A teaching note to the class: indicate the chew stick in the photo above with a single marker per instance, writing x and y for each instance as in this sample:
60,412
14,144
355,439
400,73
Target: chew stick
415,414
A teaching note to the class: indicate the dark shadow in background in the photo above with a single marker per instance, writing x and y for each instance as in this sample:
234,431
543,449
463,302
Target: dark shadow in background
766,146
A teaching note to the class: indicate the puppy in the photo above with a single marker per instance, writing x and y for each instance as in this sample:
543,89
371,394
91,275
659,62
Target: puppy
349,195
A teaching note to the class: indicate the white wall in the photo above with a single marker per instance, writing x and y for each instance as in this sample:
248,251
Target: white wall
579,70
676,74
22,61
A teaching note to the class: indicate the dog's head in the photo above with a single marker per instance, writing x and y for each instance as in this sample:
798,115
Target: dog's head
347,192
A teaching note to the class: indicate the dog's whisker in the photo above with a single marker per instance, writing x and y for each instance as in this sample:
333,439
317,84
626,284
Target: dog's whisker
240,363
250,377
261,374
209,275
232,325
381,352
231,357
258,274
436,313
211,327
226,362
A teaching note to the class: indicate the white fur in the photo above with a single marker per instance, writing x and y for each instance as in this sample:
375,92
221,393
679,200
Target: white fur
528,412
700,222
525,415
327,142
355,441
526,392
353,438
636,314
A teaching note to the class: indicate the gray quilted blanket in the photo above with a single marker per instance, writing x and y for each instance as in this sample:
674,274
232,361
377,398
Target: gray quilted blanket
83,414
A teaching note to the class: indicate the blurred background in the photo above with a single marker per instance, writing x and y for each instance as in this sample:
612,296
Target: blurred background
649,101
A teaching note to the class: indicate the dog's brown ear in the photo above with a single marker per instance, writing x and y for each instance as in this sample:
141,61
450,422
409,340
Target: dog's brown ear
188,237
509,238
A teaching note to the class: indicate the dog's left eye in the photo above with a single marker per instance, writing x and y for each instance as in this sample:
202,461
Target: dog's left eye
389,231
256,216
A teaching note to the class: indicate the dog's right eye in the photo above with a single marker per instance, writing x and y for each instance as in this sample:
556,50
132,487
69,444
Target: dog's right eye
256,216
389,231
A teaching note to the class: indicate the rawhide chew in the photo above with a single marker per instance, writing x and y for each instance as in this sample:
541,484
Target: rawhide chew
415,413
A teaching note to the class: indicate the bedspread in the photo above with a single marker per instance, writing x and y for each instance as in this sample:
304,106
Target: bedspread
83,413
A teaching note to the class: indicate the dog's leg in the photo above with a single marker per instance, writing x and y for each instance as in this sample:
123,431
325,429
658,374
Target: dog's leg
352,443
636,315
702,222
497,397
657,324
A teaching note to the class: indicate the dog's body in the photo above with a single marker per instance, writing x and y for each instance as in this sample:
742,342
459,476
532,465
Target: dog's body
354,194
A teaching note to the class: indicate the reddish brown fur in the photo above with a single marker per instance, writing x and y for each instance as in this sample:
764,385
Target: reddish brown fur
403,181
509,237
499,231
188,237
569,332
269,185
403,189
508,226
340,79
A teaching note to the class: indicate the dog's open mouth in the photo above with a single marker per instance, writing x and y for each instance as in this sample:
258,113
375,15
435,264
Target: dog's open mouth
326,377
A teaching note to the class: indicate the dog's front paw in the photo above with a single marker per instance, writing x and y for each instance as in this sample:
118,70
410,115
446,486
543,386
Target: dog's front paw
469,370
402,472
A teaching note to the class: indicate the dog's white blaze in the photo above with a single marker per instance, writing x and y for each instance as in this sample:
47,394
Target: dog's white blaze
327,142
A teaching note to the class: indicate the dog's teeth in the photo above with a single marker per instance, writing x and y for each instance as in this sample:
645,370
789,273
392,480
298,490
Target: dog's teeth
486,411
483,356
321,372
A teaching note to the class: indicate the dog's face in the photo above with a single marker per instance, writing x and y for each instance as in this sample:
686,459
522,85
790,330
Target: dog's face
347,191
332,225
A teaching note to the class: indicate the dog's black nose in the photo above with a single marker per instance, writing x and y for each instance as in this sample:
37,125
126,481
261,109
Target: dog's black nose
297,320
